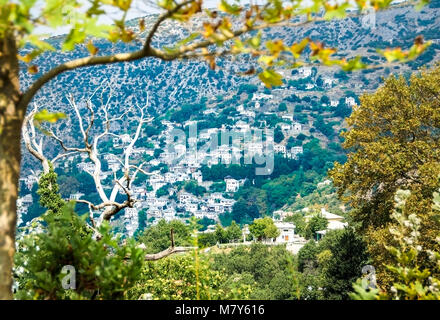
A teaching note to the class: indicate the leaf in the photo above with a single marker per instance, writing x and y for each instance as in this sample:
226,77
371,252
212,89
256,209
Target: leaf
418,48
354,64
393,54
275,47
30,56
360,293
267,60
255,41
211,62
337,11
209,29
298,48
46,116
190,38
75,36
380,4
421,4
92,49
270,78
142,25
182,42
35,40
226,28
248,72
228,8
188,11
33,69
124,5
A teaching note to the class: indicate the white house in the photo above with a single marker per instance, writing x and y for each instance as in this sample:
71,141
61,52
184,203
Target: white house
281,214
305,72
26,200
114,166
131,220
191,207
30,181
76,196
123,139
279,148
242,125
169,214
328,82
334,103
255,147
287,232
334,223
296,128
232,185
185,197
260,95
324,183
285,127
349,101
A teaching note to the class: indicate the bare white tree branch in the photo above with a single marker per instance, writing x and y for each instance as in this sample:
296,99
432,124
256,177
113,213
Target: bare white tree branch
90,140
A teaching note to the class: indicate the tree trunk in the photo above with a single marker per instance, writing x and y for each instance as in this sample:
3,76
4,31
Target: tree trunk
11,119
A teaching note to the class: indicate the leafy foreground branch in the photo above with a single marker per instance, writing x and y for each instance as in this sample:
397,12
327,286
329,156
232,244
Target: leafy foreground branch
60,240
104,268
414,281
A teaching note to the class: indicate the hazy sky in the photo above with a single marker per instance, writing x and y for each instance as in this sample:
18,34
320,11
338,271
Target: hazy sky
139,8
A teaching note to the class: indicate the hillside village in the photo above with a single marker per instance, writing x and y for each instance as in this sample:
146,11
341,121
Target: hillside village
172,166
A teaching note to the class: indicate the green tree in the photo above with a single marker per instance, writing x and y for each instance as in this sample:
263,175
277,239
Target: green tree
244,212
316,223
268,269
218,187
221,234
157,237
102,268
278,135
208,239
68,185
307,256
192,187
205,222
347,255
184,278
233,232
282,107
413,281
298,220
264,228
163,191
393,141
49,192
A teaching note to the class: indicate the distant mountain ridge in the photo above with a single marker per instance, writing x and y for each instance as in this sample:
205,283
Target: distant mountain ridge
171,83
